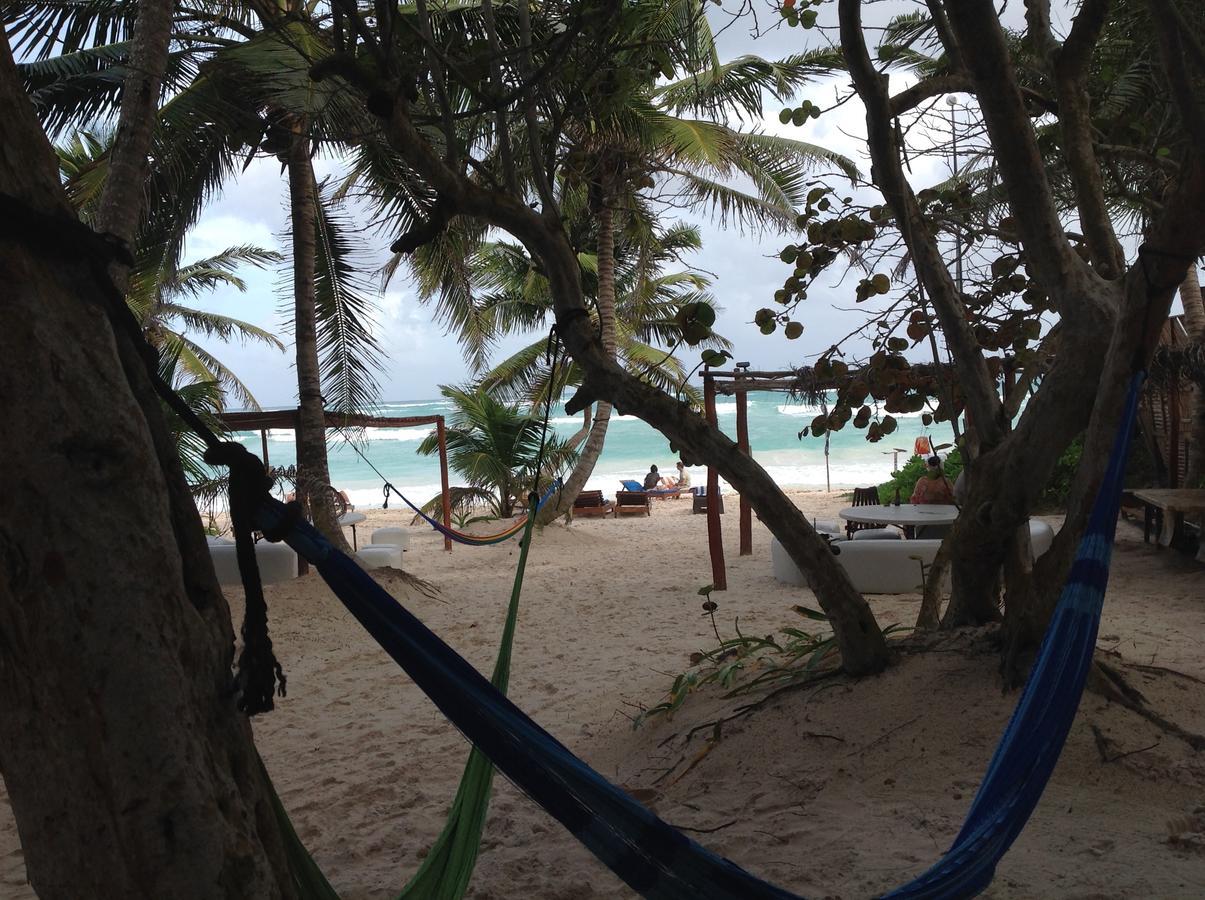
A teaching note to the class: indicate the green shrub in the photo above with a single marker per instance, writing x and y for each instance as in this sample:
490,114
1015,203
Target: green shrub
913,471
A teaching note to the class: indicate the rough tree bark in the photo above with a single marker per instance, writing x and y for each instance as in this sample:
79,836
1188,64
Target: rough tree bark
129,769
313,472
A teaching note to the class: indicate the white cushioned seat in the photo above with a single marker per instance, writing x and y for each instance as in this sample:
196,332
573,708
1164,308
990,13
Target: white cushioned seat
394,537
877,534
375,556
887,566
277,562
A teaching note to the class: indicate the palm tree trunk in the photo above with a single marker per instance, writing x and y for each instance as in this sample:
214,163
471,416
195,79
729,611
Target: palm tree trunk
1194,324
597,437
129,770
313,473
121,201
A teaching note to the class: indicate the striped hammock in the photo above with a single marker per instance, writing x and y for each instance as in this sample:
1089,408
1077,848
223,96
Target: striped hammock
653,857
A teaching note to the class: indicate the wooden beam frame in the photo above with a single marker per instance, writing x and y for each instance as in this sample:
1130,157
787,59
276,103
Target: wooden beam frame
286,419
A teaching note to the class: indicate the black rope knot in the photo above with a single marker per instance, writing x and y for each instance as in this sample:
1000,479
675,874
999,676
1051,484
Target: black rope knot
259,672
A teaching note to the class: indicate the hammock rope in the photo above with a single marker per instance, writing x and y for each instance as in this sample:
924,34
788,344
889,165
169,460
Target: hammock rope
463,537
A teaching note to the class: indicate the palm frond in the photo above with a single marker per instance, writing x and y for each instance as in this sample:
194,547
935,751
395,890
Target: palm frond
349,353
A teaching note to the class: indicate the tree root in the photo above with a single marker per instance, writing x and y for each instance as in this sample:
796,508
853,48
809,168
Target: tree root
1106,681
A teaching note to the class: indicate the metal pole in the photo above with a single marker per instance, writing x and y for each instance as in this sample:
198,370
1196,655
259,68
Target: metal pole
742,443
443,478
715,540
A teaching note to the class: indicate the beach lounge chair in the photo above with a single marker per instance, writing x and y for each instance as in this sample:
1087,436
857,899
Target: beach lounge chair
699,503
591,503
632,502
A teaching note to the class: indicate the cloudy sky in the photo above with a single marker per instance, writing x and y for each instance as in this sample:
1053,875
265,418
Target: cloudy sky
421,357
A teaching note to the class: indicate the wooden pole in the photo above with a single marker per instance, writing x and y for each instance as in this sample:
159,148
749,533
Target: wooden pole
263,436
715,540
443,478
742,443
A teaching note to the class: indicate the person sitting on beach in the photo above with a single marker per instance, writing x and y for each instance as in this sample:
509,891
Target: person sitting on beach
652,479
681,483
933,486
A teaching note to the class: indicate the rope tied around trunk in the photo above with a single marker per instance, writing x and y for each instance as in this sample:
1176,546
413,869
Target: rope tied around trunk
259,673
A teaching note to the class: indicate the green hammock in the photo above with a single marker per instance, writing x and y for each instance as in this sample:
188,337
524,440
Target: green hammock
448,868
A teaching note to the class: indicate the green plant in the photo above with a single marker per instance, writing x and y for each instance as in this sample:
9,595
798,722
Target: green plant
494,446
769,662
913,471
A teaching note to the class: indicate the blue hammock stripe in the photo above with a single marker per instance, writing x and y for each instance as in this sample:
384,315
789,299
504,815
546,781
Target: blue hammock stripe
659,861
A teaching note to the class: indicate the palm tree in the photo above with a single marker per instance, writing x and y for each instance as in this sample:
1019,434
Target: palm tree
623,131
159,286
510,295
496,446
237,85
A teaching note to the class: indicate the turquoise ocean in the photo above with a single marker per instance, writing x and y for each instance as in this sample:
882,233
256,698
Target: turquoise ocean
774,424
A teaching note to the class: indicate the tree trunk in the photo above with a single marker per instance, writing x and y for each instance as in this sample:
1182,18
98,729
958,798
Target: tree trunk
593,447
313,473
129,770
1194,324
122,200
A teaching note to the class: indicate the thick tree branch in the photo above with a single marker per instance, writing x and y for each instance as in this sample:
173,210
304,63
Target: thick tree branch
935,86
977,383
1051,259
1070,70
1037,26
949,43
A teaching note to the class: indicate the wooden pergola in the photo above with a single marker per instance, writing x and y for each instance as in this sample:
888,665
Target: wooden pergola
287,419
738,383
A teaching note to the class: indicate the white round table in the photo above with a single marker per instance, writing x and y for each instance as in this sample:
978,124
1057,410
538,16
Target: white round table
904,514
352,519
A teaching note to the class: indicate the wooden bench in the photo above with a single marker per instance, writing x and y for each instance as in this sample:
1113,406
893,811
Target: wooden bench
591,503
632,502
1159,504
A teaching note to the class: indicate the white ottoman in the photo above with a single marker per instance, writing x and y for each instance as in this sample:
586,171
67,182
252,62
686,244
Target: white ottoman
277,562
375,556
393,537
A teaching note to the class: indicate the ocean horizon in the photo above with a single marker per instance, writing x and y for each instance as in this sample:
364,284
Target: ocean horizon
631,447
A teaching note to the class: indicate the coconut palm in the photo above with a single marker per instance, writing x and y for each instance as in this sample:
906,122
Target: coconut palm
495,446
160,288
237,86
622,131
512,296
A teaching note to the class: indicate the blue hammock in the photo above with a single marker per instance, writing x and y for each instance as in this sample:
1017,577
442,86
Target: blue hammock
657,860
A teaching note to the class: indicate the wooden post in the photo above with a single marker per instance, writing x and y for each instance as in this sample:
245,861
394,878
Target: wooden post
263,436
742,443
443,478
715,540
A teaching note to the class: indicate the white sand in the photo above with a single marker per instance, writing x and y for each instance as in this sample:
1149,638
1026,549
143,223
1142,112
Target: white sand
839,790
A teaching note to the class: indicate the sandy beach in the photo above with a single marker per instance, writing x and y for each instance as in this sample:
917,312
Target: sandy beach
843,789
